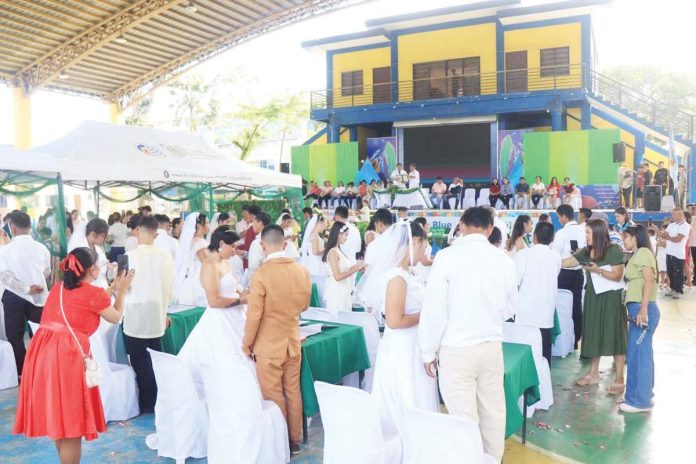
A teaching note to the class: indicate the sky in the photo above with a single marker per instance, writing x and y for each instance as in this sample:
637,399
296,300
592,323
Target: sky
656,32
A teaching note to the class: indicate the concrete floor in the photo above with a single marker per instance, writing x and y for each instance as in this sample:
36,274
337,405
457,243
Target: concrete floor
585,426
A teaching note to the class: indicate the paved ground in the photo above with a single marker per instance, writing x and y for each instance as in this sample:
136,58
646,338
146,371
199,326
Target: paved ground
597,433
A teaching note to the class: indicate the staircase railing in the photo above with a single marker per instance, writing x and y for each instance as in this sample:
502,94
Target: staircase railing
658,113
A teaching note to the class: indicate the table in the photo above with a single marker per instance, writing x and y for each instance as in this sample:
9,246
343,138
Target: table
180,328
520,380
315,299
328,357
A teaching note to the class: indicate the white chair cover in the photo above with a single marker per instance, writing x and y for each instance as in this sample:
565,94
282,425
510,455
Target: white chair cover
431,437
8,368
372,338
319,314
382,200
576,201
565,341
243,428
529,335
352,428
484,193
469,198
667,203
452,202
181,419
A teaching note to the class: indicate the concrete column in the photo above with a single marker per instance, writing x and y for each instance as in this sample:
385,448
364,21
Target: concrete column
22,118
334,133
586,115
115,114
639,150
556,119
353,133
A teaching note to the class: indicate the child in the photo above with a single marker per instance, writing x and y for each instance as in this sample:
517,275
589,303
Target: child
662,261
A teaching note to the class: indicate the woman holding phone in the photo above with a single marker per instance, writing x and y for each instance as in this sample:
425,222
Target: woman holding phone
604,331
644,316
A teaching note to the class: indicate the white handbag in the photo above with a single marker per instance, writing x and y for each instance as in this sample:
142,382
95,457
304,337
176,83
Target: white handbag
92,373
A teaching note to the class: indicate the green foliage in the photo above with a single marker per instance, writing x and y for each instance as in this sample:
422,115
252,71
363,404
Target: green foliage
194,102
140,114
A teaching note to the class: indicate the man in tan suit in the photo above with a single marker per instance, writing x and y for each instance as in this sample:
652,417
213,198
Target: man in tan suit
280,290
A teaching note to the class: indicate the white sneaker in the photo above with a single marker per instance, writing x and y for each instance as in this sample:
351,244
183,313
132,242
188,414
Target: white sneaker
627,408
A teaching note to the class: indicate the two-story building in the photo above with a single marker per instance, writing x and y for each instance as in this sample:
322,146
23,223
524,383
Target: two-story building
444,82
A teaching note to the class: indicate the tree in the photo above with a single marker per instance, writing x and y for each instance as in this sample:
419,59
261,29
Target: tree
281,113
676,89
194,102
140,114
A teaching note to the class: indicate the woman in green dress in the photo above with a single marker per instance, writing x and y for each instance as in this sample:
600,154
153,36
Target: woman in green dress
604,329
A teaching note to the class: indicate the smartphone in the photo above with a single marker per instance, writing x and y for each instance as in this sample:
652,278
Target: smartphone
573,246
122,264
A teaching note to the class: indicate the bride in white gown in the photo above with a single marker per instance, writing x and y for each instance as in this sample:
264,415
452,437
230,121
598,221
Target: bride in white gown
340,273
217,338
189,259
400,381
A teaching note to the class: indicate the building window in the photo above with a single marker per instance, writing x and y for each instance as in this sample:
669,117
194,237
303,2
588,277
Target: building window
447,78
351,83
555,62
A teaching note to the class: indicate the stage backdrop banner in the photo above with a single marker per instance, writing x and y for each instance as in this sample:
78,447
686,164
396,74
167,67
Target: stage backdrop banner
332,162
511,154
381,152
571,153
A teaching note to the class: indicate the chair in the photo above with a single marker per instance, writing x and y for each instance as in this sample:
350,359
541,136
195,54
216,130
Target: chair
8,367
243,428
565,341
469,200
181,421
483,200
319,314
353,428
372,338
576,201
529,335
442,439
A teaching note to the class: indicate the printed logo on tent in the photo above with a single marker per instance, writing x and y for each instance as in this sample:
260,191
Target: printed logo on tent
149,150
166,174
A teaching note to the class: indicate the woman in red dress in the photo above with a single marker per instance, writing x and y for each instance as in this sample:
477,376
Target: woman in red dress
494,192
54,399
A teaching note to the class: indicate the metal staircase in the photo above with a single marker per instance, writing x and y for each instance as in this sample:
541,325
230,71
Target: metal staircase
644,109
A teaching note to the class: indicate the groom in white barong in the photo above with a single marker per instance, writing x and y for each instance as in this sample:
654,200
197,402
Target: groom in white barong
472,290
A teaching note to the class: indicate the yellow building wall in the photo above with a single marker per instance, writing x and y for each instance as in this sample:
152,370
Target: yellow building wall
322,140
448,44
626,137
653,157
365,61
533,40
574,119
344,136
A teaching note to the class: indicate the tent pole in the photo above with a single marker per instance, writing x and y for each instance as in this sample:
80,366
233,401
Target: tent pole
61,219
211,202
96,197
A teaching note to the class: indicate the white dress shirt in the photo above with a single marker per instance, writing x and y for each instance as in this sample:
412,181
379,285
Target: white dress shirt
256,257
537,277
118,233
678,249
414,179
371,250
25,262
353,244
561,242
237,267
131,243
166,242
472,290
399,178
150,294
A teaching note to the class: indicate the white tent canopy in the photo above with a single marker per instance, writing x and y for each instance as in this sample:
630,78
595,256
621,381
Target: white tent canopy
37,164
108,153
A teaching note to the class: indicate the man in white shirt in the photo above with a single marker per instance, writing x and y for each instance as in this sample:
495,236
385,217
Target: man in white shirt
146,303
504,229
354,243
461,326
256,256
163,240
569,238
245,222
437,193
537,277
383,219
413,176
676,235
24,266
399,177
456,190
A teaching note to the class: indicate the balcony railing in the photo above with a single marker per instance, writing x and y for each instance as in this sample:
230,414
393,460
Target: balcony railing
453,86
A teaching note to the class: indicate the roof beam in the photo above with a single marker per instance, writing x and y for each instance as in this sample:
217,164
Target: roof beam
48,67
135,91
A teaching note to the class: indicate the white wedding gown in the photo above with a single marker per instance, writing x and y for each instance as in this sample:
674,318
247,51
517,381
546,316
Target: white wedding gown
337,293
400,380
217,338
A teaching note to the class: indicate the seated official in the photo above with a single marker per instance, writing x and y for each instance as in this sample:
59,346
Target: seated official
521,194
437,193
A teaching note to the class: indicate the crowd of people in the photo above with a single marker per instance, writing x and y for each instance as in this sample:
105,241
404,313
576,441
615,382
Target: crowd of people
443,321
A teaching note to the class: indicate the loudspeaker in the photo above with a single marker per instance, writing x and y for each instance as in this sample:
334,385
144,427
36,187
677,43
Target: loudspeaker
652,197
285,168
619,152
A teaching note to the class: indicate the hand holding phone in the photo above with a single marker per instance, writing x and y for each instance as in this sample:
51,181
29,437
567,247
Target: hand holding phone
122,264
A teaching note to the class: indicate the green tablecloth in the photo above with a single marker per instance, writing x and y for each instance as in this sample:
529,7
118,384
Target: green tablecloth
178,331
520,375
314,300
556,329
328,357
